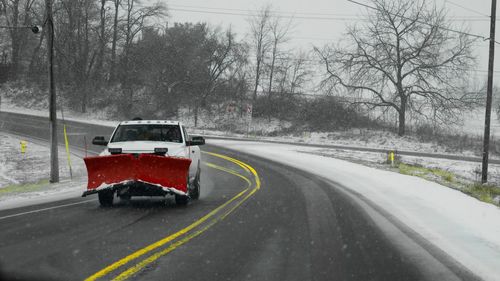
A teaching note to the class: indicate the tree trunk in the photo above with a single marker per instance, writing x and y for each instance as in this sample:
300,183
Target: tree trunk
257,77
84,101
112,75
15,38
269,104
402,117
102,44
35,55
196,116
127,105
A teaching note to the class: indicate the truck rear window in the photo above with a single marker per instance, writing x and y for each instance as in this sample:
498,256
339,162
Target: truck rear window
147,132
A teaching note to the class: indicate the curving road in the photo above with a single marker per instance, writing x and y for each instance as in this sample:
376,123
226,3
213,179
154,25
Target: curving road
255,220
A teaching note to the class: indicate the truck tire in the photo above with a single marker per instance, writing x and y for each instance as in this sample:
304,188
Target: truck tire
125,198
106,198
194,193
181,200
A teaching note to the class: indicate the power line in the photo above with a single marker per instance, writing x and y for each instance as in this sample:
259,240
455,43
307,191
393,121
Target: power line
273,12
312,38
334,15
318,61
291,15
248,13
242,12
279,16
468,9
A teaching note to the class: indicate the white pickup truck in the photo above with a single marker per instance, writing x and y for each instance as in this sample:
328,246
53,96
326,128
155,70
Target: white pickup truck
146,158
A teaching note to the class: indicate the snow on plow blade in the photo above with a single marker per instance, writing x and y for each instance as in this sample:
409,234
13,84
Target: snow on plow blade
167,172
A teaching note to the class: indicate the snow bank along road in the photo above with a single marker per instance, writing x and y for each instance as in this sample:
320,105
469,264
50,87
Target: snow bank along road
257,219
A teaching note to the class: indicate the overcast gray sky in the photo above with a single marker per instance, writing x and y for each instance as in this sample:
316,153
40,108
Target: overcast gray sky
321,21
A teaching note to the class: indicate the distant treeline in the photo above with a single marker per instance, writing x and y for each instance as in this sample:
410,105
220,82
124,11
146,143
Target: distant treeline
125,54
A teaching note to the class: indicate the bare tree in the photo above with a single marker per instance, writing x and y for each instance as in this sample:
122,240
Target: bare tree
223,54
259,31
136,20
75,48
17,13
279,30
112,74
102,43
405,57
35,55
292,73
299,72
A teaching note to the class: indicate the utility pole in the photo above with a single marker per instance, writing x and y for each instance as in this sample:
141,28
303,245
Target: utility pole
489,93
54,159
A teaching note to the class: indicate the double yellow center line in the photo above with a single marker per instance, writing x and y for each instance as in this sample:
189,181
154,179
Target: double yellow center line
186,233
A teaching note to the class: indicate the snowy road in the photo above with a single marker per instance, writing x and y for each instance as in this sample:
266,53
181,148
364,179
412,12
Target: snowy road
296,226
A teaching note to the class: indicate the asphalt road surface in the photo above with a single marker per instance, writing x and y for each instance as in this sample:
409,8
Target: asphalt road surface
255,220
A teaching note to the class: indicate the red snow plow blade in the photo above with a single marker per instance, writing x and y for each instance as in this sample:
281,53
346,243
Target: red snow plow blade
168,172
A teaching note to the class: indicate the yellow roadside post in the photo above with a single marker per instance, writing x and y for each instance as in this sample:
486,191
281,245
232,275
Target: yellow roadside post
67,151
24,145
391,158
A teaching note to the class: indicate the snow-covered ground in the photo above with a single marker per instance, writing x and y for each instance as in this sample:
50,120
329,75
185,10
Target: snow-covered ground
33,165
90,117
44,193
353,138
468,171
24,177
465,228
